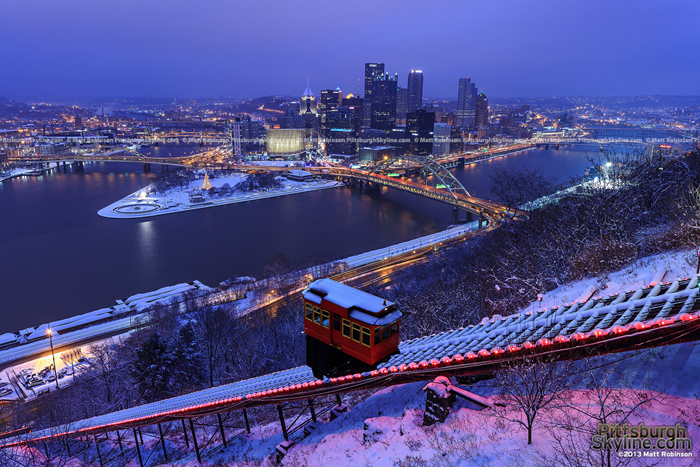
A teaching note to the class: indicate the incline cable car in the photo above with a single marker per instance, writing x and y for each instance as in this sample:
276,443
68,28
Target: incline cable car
347,330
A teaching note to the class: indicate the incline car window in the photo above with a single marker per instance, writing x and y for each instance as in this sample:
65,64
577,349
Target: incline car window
356,332
366,336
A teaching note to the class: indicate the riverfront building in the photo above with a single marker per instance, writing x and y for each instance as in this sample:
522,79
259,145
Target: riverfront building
285,143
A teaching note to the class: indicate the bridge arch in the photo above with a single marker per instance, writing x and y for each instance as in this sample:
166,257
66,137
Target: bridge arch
443,175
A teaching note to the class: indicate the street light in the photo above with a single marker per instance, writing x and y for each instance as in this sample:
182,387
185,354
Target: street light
49,332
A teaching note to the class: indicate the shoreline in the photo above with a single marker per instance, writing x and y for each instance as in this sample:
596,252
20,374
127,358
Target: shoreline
157,208
35,172
133,307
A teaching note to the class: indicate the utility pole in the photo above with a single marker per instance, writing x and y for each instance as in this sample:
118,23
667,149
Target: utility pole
53,355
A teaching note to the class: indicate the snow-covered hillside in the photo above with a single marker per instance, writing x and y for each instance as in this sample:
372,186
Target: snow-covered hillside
386,428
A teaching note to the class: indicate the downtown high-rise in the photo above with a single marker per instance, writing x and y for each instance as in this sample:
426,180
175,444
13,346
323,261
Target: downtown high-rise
380,96
466,104
415,90
373,71
482,110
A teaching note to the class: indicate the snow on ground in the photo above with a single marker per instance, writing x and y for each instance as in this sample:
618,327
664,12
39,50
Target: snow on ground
67,367
19,171
136,304
409,245
385,429
143,203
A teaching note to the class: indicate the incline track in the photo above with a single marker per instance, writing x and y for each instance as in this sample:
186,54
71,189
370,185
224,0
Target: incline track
649,317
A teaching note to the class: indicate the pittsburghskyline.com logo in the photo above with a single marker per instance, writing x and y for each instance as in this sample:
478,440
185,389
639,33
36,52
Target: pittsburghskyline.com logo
642,440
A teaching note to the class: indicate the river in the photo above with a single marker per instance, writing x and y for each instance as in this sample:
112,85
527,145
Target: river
59,258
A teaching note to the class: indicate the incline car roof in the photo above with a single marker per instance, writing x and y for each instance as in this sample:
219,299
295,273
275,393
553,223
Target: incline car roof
345,296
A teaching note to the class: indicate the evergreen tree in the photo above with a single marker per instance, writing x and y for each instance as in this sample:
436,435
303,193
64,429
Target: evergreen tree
188,368
152,370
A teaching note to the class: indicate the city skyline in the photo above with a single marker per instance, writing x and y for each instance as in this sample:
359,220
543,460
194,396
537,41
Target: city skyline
539,49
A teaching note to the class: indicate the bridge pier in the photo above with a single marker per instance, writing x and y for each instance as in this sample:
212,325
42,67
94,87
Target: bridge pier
146,167
373,187
455,216
165,168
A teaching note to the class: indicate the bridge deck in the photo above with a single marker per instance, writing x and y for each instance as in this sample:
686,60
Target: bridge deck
647,317
470,203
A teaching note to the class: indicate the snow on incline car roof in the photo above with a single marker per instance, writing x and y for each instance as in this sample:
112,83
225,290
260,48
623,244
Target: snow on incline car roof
372,320
345,296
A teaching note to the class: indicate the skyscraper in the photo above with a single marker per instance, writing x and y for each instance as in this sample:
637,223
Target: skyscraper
330,99
383,102
441,139
308,101
357,105
419,130
466,104
309,115
401,103
482,110
339,134
373,71
415,90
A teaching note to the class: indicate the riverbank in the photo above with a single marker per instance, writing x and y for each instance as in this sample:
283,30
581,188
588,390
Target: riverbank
146,203
31,343
23,171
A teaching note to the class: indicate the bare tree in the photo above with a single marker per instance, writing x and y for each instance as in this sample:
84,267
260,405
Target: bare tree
608,391
517,187
689,217
213,328
528,388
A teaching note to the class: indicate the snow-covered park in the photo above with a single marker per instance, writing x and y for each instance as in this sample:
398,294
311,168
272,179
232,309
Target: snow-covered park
216,190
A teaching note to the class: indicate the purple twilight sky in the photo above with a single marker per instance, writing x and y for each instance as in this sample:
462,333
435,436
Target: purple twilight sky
212,48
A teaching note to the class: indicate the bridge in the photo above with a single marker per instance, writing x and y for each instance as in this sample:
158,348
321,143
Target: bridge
121,155
637,133
449,190
117,156
657,315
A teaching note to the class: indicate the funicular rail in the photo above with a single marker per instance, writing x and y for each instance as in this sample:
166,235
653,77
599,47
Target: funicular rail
648,317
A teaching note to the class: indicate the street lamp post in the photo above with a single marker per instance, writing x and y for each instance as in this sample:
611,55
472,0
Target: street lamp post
55,370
